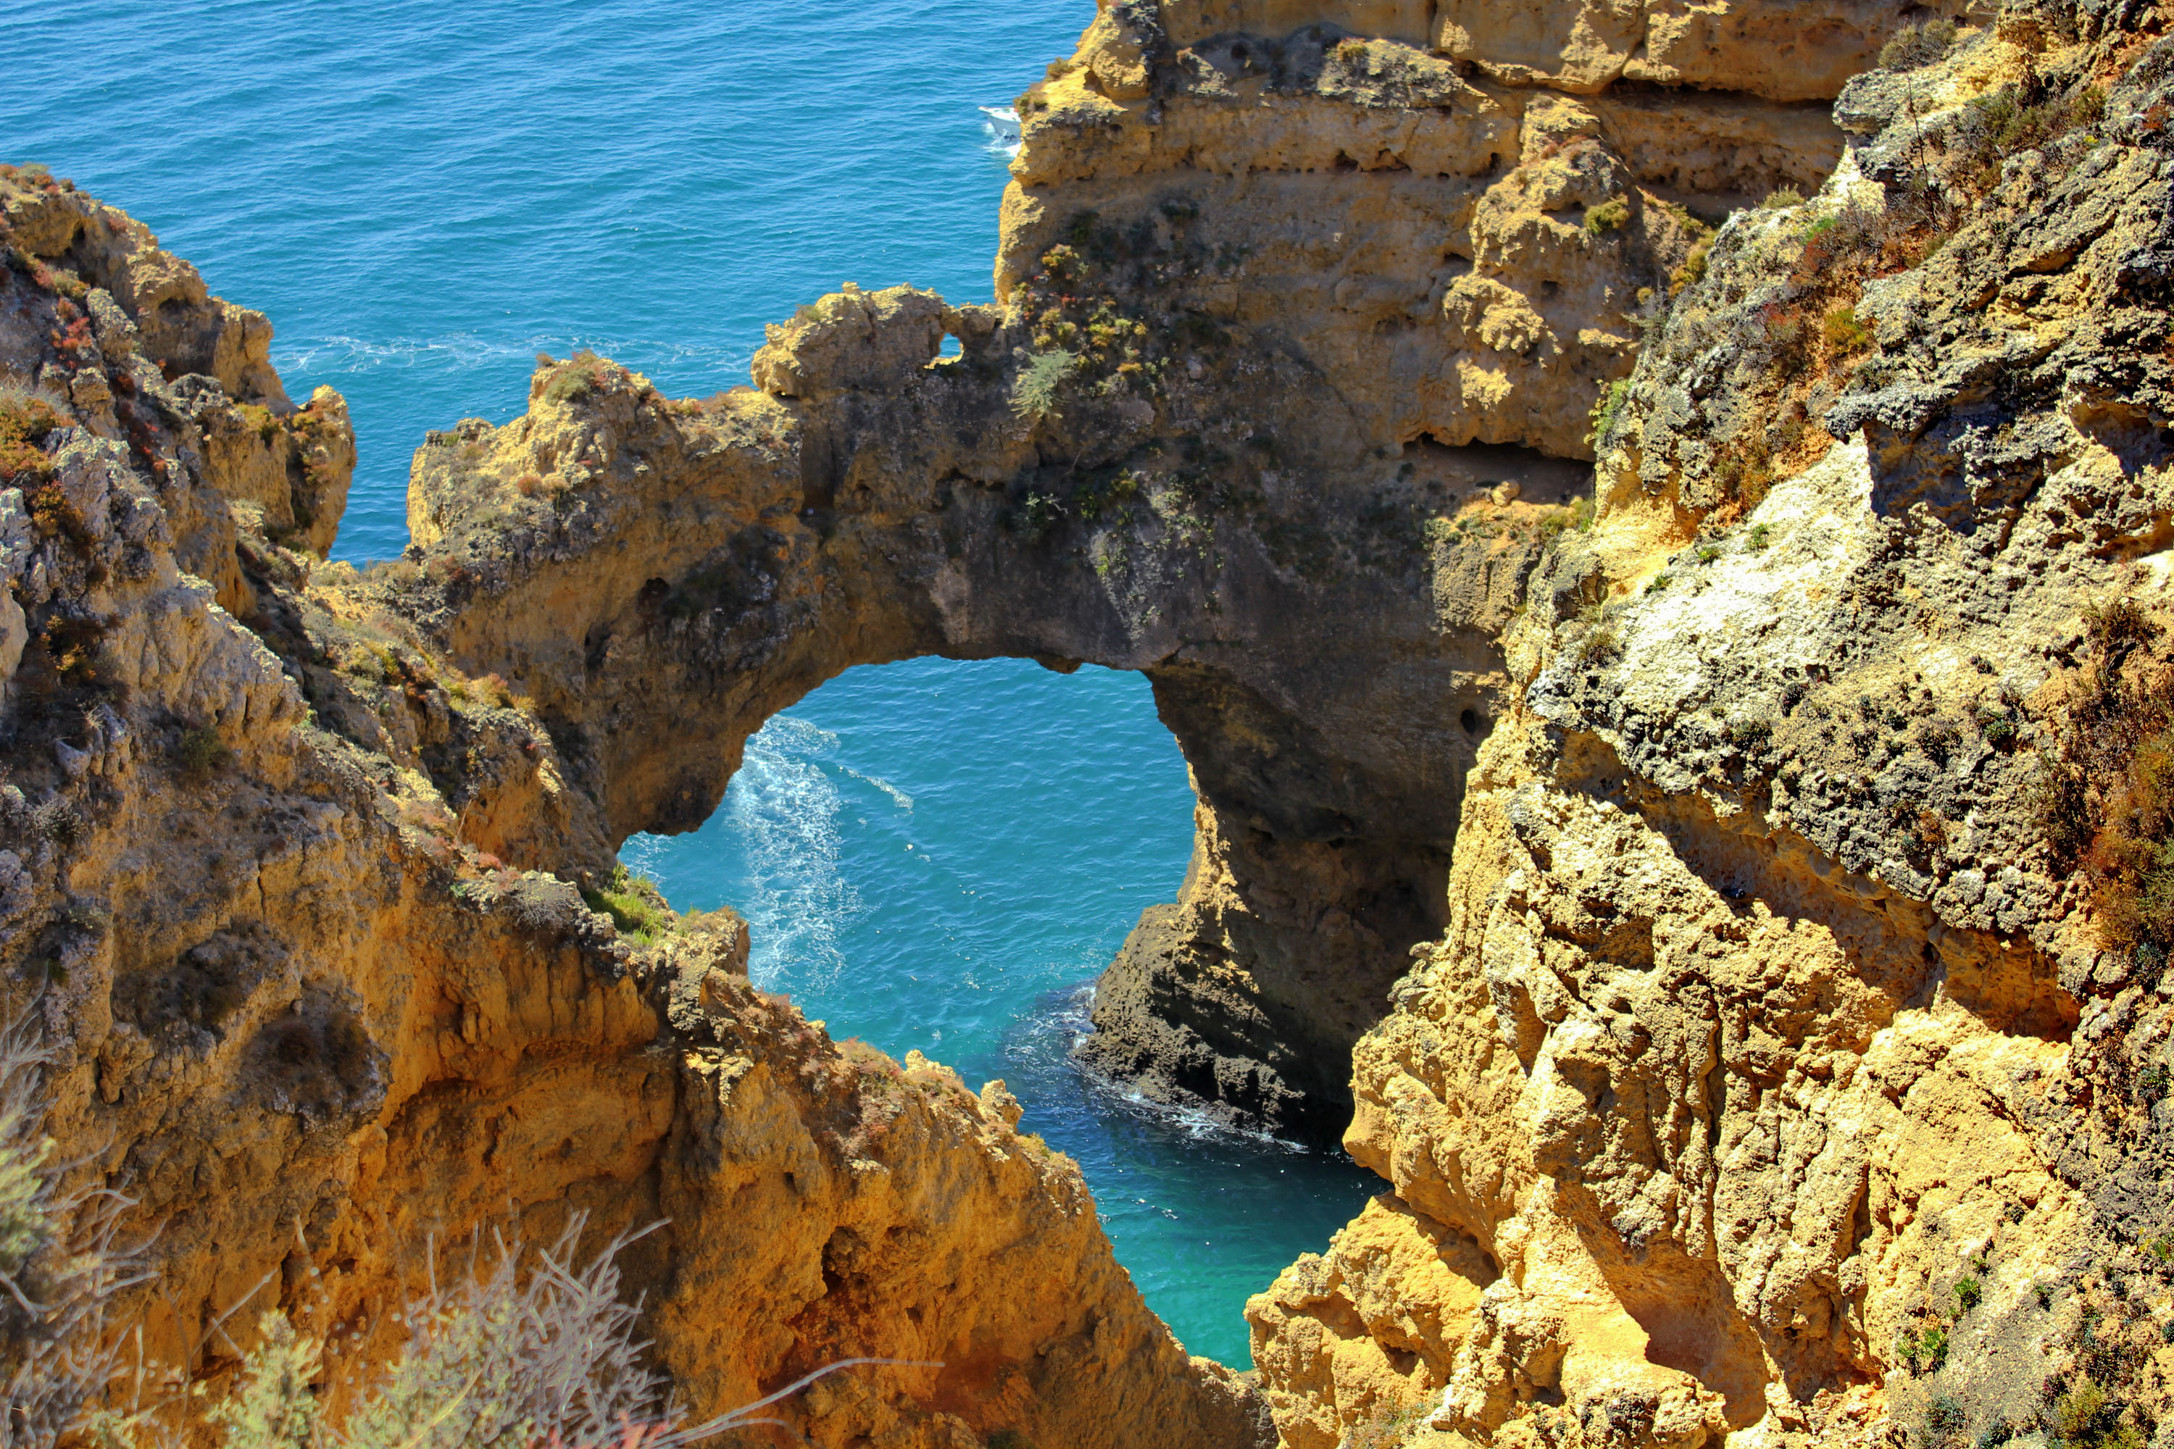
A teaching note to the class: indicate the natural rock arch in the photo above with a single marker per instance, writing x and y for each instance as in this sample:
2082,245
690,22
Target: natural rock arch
690,569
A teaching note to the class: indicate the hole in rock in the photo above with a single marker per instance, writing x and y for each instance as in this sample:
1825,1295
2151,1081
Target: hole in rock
944,856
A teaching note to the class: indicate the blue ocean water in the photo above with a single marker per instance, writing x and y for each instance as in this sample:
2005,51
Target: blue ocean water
422,196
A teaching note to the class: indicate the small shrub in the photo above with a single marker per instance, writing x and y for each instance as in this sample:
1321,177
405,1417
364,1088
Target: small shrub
260,419
1034,391
1693,270
26,419
1969,1292
1610,215
1781,199
2080,1416
1932,1347
581,375
62,1263
1916,46
1758,537
201,754
1707,553
1657,583
2105,797
1038,515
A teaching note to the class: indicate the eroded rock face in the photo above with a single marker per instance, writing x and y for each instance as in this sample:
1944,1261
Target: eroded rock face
1754,1011
1300,323
1760,1042
296,906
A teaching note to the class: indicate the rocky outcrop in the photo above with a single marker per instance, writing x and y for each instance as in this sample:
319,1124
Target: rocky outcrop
305,1014
1752,1077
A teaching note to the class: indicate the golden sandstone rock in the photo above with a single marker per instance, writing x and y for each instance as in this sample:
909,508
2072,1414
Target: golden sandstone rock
1703,904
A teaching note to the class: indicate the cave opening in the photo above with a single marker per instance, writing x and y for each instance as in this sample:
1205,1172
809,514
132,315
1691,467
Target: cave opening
942,856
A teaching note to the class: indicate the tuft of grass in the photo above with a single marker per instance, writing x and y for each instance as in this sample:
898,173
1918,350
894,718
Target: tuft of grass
1944,1416
1386,1428
634,903
1781,199
1611,215
1845,336
1969,1293
1607,412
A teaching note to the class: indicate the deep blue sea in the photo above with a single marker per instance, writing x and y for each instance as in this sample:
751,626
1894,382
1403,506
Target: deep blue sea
422,196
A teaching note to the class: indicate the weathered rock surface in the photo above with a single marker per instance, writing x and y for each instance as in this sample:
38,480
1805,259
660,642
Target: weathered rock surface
306,1014
1755,1010
1768,1030
1307,297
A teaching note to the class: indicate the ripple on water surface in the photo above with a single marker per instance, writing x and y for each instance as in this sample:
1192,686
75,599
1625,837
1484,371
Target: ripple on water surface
423,196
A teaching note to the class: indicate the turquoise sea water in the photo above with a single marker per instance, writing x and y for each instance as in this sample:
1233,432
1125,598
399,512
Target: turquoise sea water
423,196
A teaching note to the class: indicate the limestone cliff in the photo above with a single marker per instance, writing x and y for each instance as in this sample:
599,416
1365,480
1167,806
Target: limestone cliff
309,1017
1780,831
1780,1071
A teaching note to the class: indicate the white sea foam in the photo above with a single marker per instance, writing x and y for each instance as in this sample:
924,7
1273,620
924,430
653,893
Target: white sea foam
1003,128
785,808
898,797
349,355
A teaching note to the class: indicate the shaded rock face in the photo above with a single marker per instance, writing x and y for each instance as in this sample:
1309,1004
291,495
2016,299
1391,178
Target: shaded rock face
1301,320
1773,1029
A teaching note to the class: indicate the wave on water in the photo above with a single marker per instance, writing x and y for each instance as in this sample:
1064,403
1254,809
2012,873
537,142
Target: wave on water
349,355
1003,128
784,807
898,797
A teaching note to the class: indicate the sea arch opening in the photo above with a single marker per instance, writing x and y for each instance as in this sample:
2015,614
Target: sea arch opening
943,856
